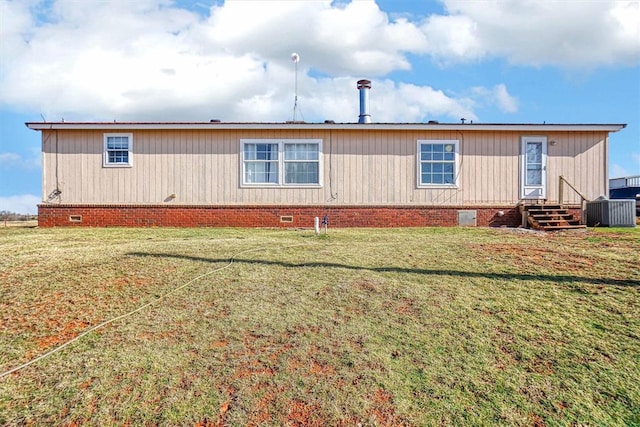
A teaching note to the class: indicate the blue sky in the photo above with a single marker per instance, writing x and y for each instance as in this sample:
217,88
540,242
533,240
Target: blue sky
490,61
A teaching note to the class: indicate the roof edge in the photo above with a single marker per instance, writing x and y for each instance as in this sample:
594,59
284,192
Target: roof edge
323,126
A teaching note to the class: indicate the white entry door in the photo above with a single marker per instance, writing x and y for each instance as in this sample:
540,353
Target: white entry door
533,167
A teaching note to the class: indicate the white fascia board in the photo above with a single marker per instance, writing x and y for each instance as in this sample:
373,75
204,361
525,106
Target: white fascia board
110,126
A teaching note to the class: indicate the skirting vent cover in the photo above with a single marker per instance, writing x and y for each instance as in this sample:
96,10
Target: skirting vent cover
467,218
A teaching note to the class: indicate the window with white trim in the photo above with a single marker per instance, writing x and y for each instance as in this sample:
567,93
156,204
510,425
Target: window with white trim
260,163
437,162
118,149
301,163
281,162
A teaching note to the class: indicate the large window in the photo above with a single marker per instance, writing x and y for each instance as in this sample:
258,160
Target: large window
288,162
117,150
437,162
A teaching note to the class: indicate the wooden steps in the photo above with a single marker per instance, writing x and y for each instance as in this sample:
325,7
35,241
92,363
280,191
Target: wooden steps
550,217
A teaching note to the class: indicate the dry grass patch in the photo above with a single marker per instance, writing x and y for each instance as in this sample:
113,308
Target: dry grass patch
379,327
32,223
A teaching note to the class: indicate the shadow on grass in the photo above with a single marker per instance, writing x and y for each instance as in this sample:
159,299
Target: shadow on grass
429,272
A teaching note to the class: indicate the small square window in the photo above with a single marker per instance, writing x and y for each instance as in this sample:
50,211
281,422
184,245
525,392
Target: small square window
437,163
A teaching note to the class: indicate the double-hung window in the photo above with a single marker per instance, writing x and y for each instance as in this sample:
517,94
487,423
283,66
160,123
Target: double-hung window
302,163
118,148
284,162
261,161
437,163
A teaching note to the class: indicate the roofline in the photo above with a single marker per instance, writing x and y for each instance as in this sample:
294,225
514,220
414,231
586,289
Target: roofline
322,126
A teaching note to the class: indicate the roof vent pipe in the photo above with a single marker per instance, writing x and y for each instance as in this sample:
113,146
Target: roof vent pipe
363,87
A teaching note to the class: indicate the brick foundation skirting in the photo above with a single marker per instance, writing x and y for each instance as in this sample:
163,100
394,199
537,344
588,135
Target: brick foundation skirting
270,216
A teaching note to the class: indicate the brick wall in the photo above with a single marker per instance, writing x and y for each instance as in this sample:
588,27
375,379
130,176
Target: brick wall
268,216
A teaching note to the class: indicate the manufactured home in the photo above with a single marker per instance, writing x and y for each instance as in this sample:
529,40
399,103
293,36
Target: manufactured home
286,174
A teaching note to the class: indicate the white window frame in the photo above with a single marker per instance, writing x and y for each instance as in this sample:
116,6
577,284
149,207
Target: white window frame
281,163
456,163
105,154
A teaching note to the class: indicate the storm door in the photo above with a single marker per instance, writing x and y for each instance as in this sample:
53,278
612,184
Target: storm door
533,167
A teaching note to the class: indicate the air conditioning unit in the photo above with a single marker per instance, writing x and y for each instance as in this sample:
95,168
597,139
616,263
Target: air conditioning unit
611,213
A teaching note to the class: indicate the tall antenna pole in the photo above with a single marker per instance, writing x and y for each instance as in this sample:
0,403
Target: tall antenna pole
295,58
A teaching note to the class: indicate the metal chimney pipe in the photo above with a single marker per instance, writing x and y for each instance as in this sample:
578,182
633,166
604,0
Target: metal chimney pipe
363,87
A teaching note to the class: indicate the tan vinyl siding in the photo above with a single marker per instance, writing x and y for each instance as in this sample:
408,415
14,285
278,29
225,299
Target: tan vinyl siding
360,167
580,157
490,167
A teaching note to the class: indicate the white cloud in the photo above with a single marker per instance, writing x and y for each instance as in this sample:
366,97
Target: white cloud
337,99
16,22
631,167
618,171
8,158
504,100
22,204
352,38
538,32
168,63
164,63
498,95
411,103
453,38
14,160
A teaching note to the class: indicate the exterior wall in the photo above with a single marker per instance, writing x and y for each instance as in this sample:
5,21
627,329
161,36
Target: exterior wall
268,216
581,157
360,168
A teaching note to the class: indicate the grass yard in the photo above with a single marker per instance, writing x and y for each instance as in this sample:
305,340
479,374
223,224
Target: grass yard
394,327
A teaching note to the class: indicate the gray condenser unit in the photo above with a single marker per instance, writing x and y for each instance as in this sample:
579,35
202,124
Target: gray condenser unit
611,213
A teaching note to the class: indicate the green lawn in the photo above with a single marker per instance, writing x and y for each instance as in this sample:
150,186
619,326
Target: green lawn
433,326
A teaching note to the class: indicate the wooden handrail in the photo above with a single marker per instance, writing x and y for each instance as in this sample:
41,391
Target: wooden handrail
583,199
560,190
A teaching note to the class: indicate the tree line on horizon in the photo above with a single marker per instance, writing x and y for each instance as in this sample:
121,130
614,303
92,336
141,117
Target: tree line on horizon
14,216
